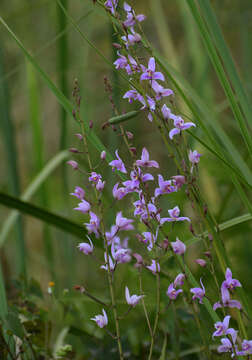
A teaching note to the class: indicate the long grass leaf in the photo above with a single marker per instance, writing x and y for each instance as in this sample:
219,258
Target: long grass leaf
3,299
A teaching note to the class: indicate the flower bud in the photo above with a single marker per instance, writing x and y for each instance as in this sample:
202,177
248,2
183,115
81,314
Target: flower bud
103,155
74,164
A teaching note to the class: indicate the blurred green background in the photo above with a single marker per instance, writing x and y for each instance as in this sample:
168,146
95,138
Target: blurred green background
34,127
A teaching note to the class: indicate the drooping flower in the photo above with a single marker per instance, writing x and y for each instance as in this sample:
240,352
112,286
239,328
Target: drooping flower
86,248
166,112
201,262
118,164
94,224
111,5
179,280
165,186
226,301
174,216
133,95
145,162
172,293
154,267
101,320
179,180
194,156
150,73
179,125
123,223
178,247
198,293
119,193
83,206
78,192
121,62
227,345
132,300
120,255
160,90
74,164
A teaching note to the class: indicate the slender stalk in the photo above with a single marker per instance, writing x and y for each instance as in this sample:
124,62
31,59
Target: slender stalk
143,303
157,316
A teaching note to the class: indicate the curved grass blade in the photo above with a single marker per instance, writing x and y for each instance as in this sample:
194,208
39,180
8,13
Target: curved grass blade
31,190
124,117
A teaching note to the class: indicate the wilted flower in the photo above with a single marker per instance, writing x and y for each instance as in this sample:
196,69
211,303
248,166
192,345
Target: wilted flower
227,345
83,207
172,293
94,224
179,280
123,223
131,16
166,112
101,320
201,262
154,267
178,247
78,192
111,5
132,300
194,156
111,263
118,164
198,293
119,193
74,164
86,248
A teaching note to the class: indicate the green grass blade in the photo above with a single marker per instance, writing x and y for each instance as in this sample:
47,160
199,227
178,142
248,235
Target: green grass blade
31,190
8,135
3,299
209,44
224,52
50,218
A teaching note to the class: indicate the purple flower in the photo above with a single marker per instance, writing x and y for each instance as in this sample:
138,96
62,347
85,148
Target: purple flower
222,327
140,208
172,293
179,125
178,247
86,248
179,180
230,283
111,264
174,216
83,207
118,164
94,177
122,256
119,193
150,238
198,293
131,39
227,345
165,186
78,192
132,300
194,157
166,112
101,320
121,62
226,301
145,162
131,16
246,348
123,223
133,95
160,91
200,262
111,5
94,224
179,280
150,73
74,164
79,136
100,185
132,66
154,267
111,235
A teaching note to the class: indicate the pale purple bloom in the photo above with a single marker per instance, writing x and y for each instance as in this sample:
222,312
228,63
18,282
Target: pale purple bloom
154,267
139,260
131,38
174,216
131,16
86,248
83,207
132,66
132,300
118,164
94,224
198,293
110,235
246,348
172,293
140,208
179,125
79,136
78,192
101,320
111,5
121,255
129,135
179,180
150,73
100,185
150,238
133,95
123,223
103,155
194,156
165,186
94,177
166,112
74,164
178,247
145,162
119,193
230,283
201,262
111,263
160,91
226,301
121,62
222,327
227,345
179,280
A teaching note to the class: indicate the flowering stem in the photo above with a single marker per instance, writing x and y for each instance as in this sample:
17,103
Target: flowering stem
157,316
